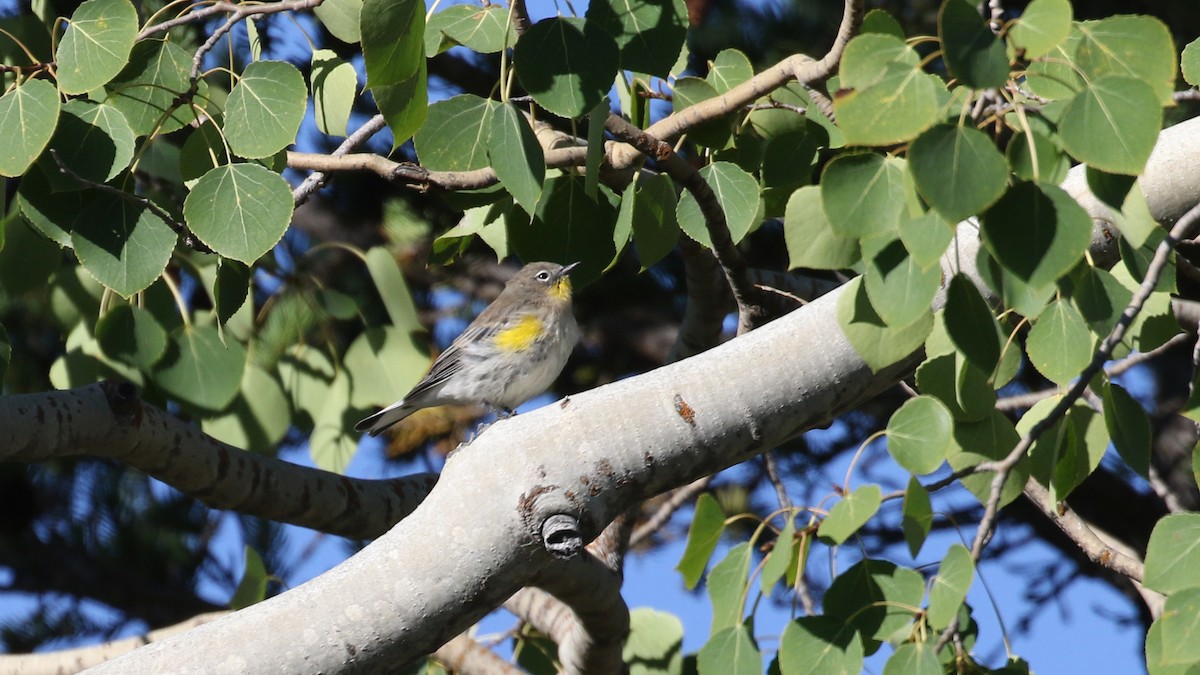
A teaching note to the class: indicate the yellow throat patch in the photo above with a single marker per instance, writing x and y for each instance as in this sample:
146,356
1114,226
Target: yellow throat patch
521,336
561,290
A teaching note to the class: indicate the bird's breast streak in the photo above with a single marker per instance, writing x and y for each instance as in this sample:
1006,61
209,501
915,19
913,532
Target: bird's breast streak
520,336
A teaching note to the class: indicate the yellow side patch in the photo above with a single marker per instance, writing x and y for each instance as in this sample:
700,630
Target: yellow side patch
521,336
561,290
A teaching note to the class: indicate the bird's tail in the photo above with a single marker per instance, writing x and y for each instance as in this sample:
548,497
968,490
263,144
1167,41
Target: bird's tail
377,423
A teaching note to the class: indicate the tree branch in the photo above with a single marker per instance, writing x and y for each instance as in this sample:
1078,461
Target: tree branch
1079,532
75,660
108,420
797,67
223,7
750,308
316,179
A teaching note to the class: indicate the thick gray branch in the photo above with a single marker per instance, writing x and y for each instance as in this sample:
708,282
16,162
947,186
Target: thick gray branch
108,420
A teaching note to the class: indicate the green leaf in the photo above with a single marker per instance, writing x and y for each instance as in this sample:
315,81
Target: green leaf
52,213
257,419
731,651
787,163
716,134
1173,555
1036,231
654,224
737,193
1044,161
27,259
392,39
389,281
1180,625
486,29
918,434
862,194
851,513
726,586
341,17
649,35
970,324
957,169
899,288
707,524
306,374
93,141
950,586
1041,27
334,84
1011,291
1128,426
382,363
28,115
879,21
729,69
878,344
121,243
455,137
926,238
913,658
1059,344
655,643
231,288
1055,76
516,156
916,515
568,226
1068,452
973,53
404,105
776,563
1122,109
876,597
885,97
819,645
331,445
960,386
566,65
810,239
131,335
1130,46
150,90
1099,298
1189,63
265,109
989,439
199,370
96,46
253,586
5,352
239,210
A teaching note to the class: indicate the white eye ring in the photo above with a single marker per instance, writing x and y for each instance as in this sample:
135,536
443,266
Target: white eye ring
543,276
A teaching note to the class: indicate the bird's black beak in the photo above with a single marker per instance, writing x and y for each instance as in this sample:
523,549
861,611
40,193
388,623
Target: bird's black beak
566,270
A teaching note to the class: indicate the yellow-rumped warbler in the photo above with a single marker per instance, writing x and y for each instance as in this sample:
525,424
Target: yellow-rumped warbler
510,353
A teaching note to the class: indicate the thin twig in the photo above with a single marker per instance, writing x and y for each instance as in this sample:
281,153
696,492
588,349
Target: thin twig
668,508
750,309
239,12
188,238
797,67
316,179
1079,532
223,7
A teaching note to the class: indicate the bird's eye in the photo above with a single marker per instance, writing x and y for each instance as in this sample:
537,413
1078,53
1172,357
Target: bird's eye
543,276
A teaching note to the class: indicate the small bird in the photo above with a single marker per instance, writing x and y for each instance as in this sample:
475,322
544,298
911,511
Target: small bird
510,353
